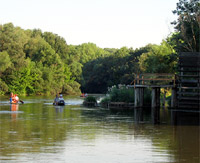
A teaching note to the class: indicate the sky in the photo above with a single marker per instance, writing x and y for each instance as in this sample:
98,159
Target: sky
106,23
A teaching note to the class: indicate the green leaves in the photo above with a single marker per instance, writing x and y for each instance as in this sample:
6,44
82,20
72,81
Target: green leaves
4,61
32,62
187,26
159,59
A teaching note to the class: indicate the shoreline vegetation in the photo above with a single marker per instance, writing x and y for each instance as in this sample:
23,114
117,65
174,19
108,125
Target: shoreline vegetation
33,62
121,96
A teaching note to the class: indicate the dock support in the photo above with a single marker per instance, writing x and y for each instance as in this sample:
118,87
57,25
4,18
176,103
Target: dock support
173,98
139,97
155,101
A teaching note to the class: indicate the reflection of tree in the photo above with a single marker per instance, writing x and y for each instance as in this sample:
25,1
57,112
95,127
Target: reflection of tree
188,143
41,126
35,128
180,142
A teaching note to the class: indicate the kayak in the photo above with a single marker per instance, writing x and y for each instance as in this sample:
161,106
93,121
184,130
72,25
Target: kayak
18,102
60,103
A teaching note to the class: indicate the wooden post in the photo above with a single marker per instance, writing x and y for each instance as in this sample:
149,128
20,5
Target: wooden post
141,104
155,105
136,97
139,97
173,97
155,101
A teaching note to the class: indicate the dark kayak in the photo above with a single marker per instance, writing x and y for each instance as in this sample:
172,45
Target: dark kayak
60,103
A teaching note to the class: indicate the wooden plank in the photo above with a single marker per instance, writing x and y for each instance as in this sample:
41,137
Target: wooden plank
157,74
188,103
189,54
150,86
189,81
191,107
188,70
194,76
190,88
160,79
189,93
190,64
188,98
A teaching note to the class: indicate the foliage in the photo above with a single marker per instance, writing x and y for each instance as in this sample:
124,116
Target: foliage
121,94
187,26
104,102
36,62
160,59
32,62
4,61
90,99
118,67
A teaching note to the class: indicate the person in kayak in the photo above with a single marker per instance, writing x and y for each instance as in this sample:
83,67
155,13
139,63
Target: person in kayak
14,99
56,100
61,100
11,97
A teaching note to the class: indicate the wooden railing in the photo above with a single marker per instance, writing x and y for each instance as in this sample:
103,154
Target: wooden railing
155,79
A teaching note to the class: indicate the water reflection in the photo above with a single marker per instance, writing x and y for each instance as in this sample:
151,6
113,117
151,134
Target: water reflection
59,109
185,117
73,133
14,108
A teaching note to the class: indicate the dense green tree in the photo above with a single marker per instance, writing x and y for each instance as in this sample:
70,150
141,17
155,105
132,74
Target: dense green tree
32,62
57,43
12,41
159,59
118,67
187,26
4,61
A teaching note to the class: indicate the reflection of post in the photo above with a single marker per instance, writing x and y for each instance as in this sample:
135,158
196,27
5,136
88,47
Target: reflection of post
155,101
173,98
173,118
155,115
155,105
138,115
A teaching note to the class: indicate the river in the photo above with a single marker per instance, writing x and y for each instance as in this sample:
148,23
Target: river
37,131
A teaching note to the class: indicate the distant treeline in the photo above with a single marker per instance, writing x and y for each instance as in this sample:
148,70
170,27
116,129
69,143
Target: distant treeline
36,62
33,62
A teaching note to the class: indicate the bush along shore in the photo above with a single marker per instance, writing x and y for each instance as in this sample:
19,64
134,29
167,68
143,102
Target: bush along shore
122,97
90,101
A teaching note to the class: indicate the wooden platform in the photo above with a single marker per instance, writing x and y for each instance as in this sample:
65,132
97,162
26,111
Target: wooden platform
188,94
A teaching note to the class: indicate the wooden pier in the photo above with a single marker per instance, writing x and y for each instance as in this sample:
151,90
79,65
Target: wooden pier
185,85
155,82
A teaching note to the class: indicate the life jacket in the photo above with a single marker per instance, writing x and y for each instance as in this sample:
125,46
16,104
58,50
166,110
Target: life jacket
14,100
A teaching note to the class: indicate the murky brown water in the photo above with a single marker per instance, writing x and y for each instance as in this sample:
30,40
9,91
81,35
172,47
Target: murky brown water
37,131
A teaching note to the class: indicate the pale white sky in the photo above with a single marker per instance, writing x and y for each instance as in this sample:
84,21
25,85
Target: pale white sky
107,23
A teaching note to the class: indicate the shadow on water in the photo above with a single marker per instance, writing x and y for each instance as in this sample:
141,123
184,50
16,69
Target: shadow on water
148,115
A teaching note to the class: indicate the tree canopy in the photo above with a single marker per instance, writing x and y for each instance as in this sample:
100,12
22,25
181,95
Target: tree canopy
187,26
36,62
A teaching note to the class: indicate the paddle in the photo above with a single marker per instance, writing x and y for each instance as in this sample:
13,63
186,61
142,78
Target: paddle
21,101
